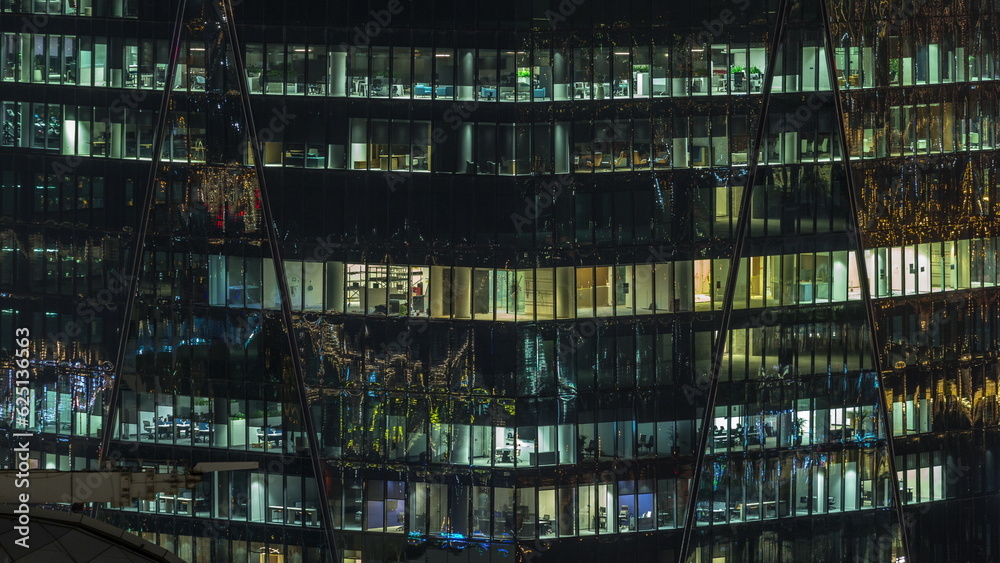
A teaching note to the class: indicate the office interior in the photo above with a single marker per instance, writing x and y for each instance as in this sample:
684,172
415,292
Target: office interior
569,292
509,149
526,73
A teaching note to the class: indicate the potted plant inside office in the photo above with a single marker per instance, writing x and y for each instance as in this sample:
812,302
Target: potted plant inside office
800,426
894,70
273,80
756,78
39,67
237,429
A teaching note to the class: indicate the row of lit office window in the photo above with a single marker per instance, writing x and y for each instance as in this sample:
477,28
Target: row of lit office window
273,498
581,292
744,491
395,438
75,8
490,75
503,148
395,428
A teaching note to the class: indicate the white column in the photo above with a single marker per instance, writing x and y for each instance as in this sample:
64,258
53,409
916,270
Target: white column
463,293
338,73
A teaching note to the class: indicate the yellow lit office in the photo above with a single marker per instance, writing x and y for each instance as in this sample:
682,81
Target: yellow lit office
600,291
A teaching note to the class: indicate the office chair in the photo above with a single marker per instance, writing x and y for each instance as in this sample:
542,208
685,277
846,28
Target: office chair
592,448
470,167
597,160
147,429
203,431
824,147
738,81
807,148
650,443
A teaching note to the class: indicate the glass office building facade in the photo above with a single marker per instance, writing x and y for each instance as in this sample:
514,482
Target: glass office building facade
554,281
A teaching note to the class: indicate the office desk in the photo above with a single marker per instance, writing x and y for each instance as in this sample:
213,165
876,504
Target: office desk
297,513
297,158
504,455
805,291
722,440
184,505
272,436
397,161
545,526
715,510
744,510
202,432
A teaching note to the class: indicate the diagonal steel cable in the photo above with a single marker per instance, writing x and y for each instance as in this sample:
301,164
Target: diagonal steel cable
742,226
866,296
286,303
